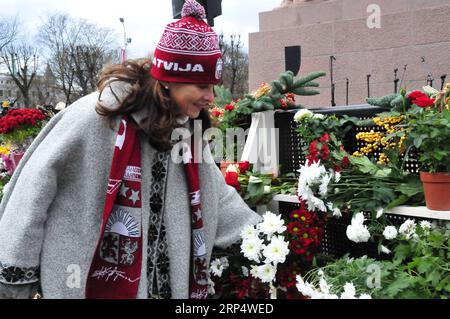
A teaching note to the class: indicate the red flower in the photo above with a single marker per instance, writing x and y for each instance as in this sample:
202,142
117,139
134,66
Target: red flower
325,138
345,162
424,101
216,113
416,95
295,228
231,178
243,166
229,107
337,169
325,152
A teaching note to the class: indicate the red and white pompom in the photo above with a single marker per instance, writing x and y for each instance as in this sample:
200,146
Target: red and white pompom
192,8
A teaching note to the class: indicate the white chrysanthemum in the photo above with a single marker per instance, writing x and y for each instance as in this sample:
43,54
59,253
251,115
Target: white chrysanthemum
319,116
380,213
323,188
365,296
318,204
217,267
349,291
425,225
251,248
267,272
249,231
277,250
408,228
254,271
267,189
302,114
336,211
211,286
358,233
232,168
390,232
358,219
271,224
304,288
245,271
385,250
324,286
337,177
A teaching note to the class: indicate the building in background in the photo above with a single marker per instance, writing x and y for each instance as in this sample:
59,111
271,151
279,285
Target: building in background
366,40
43,90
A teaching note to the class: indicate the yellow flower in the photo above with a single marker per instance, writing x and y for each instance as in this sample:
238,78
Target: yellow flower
4,150
263,89
5,104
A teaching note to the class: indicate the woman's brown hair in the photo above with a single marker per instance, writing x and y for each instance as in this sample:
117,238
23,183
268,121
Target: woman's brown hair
145,92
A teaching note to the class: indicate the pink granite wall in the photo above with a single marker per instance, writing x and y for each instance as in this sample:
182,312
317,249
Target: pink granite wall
410,29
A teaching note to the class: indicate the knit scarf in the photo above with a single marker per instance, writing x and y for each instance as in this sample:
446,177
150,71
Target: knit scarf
116,266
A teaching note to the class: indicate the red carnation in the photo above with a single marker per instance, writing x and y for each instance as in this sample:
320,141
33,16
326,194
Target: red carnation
325,152
416,95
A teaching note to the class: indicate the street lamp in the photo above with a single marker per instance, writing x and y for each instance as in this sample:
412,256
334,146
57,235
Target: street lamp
123,51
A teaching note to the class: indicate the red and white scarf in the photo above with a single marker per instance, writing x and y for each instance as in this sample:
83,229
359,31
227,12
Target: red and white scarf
116,266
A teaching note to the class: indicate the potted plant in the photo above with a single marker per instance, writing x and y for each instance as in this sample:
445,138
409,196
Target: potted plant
428,132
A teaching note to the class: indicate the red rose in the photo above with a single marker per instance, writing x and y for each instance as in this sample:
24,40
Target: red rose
229,107
325,152
345,162
231,178
215,113
243,166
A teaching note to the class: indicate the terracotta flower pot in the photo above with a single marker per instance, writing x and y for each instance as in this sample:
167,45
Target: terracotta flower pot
436,187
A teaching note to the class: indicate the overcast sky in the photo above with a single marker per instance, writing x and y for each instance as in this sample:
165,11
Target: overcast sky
144,19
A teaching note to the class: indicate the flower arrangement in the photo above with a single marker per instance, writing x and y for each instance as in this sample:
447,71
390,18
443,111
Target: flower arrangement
257,188
418,269
18,125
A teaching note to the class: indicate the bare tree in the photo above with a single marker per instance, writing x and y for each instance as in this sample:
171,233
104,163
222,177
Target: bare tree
235,75
22,63
77,52
8,31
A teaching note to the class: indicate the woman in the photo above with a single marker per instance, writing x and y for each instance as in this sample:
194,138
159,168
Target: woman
100,208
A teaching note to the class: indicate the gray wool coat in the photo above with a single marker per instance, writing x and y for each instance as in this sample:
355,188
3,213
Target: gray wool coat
51,212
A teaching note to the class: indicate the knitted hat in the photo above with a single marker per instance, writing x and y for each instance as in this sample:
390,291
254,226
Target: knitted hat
188,51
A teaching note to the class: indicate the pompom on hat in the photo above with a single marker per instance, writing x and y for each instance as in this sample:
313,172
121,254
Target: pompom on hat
188,51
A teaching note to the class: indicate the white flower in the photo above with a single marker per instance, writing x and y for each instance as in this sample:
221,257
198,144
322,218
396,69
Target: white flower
323,188
251,248
358,219
271,224
337,177
273,291
304,288
244,271
385,250
267,189
277,250
267,272
217,267
408,228
211,285
425,225
356,231
303,113
324,286
365,296
320,273
232,168
380,212
254,180
336,211
390,232
254,271
249,232
319,116
349,291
